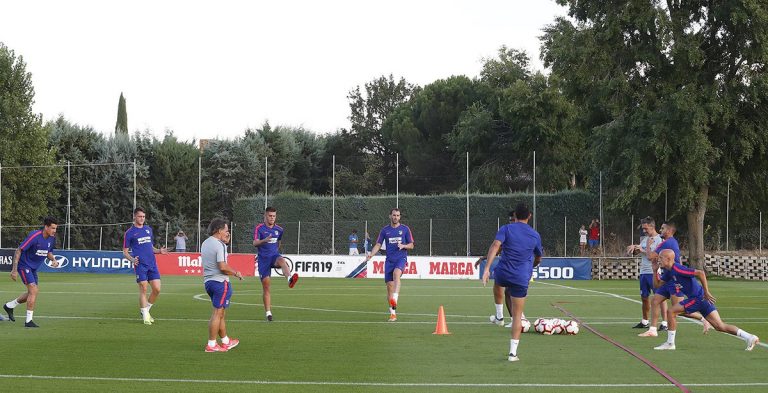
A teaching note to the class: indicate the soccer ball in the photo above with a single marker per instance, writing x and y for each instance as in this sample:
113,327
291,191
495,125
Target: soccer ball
539,325
526,325
557,326
549,327
572,327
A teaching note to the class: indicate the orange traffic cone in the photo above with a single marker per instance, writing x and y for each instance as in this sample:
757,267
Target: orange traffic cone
441,327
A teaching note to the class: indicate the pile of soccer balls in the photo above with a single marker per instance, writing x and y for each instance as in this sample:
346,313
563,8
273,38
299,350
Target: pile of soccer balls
551,326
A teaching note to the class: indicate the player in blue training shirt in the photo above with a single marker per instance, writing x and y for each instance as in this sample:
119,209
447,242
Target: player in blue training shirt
668,291
138,247
698,300
31,253
398,239
266,238
499,297
521,251
658,303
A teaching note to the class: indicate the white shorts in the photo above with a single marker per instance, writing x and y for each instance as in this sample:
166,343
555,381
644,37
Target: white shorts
353,251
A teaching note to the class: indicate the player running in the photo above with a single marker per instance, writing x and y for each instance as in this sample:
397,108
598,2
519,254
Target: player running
31,253
398,239
698,299
266,238
138,247
521,251
498,292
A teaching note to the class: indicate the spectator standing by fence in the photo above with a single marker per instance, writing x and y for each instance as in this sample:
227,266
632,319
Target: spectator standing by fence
181,242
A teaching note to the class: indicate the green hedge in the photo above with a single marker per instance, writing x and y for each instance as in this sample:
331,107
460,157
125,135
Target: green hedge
448,214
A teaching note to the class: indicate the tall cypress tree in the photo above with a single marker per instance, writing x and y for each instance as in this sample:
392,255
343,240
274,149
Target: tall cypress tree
121,127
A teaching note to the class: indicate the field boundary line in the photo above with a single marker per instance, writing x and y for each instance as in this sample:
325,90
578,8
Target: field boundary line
381,384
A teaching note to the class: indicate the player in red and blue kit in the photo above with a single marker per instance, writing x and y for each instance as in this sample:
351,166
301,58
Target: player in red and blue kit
698,300
668,291
266,239
521,251
398,239
138,247
32,252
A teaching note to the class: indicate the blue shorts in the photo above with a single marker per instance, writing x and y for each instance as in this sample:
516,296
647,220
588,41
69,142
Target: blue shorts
701,305
668,290
515,290
646,285
390,266
512,288
28,276
593,243
266,264
146,273
220,293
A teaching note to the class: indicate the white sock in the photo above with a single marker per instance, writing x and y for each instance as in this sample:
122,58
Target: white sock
269,313
395,296
499,311
392,310
644,321
144,311
663,323
744,335
671,336
225,340
513,346
522,316
211,343
29,315
652,329
12,304
149,306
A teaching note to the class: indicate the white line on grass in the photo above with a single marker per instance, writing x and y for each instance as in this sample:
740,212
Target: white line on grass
638,302
326,321
380,384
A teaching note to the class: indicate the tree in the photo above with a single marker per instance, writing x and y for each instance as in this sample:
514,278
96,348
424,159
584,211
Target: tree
121,127
24,143
419,129
369,111
674,94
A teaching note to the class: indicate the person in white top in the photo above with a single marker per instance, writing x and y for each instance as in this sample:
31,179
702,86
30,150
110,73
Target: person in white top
650,241
583,240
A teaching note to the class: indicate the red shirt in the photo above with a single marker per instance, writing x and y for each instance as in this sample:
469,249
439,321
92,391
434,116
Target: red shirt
594,233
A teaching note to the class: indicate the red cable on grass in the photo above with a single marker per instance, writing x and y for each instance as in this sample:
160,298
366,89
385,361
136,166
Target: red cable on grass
625,349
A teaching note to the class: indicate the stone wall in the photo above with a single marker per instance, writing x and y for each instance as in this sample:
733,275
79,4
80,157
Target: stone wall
729,266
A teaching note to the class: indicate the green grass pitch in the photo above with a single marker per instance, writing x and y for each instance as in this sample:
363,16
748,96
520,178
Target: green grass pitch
332,335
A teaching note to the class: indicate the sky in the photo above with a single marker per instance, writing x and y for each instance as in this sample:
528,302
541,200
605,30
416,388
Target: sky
206,69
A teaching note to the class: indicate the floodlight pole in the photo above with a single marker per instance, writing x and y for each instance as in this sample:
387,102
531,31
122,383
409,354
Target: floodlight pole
602,238
333,207
534,189
199,195
1,205
727,214
467,203
134,184
69,206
